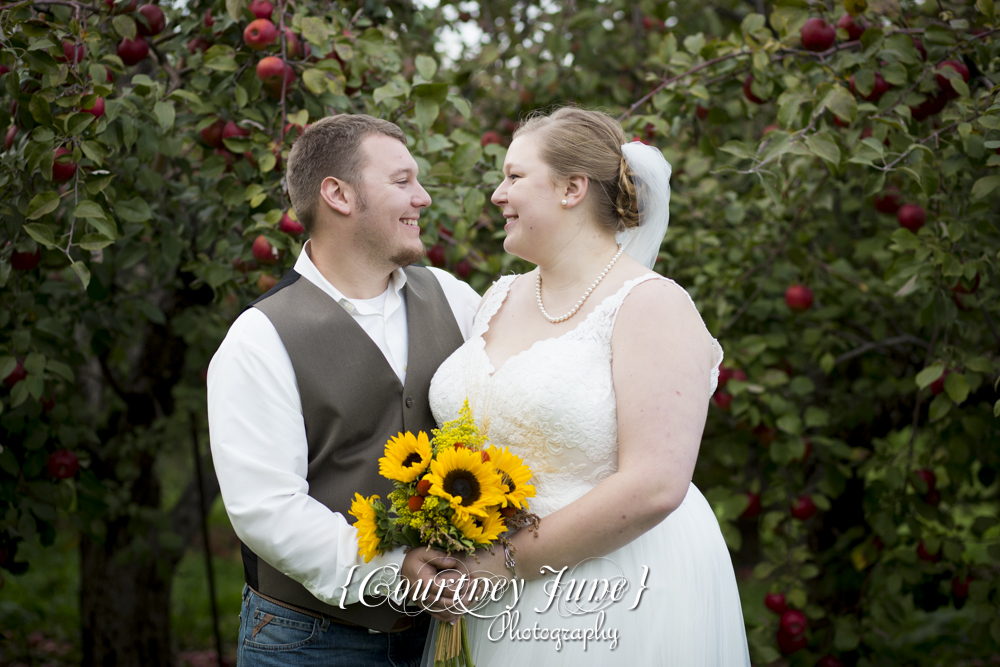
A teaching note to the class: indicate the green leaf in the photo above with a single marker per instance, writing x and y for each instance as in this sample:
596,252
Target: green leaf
39,108
235,8
957,387
60,369
104,227
436,92
996,408
928,375
426,66
7,366
840,101
985,185
78,122
35,363
939,407
790,424
133,210
816,417
737,148
88,209
462,106
165,113
823,145
41,233
315,80
94,242
845,637
82,272
389,90
426,113
42,204
985,7
315,30
124,25
473,204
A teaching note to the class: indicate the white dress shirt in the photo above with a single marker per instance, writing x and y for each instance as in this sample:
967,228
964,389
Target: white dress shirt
259,444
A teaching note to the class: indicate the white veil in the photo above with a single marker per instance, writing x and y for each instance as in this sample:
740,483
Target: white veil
651,175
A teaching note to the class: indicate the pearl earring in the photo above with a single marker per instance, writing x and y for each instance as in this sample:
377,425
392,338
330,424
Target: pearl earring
564,202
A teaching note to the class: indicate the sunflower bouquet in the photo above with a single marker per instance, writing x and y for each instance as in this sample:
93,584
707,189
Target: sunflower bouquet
454,491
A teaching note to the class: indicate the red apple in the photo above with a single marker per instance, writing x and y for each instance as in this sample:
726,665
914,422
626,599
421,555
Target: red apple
817,35
261,9
436,254
888,201
803,508
840,122
943,83
723,400
793,622
930,107
16,375
829,660
701,112
4,69
753,508
919,46
748,91
23,261
273,85
776,602
8,140
799,298
260,34
789,644
63,171
961,288
97,110
911,216
233,130
198,44
765,434
122,7
805,452
854,30
938,385
266,282
72,52
928,477
208,21
62,464
960,587
463,269
154,18
925,555
264,252
133,51
212,135
490,137
878,90
290,226
270,69
768,129
292,45
48,403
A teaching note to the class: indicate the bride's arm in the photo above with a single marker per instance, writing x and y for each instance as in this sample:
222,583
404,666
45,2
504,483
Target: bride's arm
662,361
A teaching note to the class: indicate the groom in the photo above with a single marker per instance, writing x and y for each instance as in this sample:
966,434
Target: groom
308,385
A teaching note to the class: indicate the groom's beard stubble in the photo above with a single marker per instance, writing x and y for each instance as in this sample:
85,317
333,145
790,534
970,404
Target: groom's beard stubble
377,243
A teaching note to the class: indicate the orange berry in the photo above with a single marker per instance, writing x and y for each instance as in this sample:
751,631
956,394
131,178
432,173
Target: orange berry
424,487
508,511
415,503
485,456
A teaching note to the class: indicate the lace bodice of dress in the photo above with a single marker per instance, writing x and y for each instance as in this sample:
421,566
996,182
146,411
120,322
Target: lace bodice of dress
552,404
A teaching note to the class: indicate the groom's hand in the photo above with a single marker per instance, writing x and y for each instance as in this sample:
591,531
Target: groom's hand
422,565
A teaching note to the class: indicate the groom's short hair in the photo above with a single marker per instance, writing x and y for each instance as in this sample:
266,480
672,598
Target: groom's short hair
330,147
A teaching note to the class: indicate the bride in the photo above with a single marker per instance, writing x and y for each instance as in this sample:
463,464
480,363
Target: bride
598,373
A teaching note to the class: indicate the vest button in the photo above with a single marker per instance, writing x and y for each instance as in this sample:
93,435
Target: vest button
409,402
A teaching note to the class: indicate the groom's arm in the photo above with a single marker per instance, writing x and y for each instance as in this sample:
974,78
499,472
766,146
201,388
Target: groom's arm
260,452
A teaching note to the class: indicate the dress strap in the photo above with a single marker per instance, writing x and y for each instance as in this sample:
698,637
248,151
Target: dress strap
491,304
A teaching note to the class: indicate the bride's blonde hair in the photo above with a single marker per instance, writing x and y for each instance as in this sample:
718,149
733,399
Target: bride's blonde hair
578,142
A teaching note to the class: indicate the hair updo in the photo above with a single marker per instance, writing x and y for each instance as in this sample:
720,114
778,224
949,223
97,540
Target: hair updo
577,142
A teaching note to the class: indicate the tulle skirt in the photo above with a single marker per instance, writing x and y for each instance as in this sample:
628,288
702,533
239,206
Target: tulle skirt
680,607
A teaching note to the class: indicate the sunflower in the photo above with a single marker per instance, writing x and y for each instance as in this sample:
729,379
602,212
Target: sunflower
364,510
514,476
470,486
406,457
482,530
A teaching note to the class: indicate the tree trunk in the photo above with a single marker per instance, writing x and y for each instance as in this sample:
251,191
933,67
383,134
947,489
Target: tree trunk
124,603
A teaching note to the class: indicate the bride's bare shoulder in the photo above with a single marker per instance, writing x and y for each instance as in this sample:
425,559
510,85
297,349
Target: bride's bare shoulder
660,308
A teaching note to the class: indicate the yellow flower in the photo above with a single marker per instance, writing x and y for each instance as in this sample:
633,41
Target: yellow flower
462,429
367,524
482,530
406,457
470,486
514,475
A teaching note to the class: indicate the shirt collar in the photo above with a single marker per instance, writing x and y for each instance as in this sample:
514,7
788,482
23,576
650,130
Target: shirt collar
305,267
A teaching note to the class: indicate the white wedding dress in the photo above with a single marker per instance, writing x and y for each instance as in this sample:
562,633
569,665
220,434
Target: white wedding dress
554,405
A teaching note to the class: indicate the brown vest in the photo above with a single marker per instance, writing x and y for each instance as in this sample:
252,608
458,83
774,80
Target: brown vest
352,403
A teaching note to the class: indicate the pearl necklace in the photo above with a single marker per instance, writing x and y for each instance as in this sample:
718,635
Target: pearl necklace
557,320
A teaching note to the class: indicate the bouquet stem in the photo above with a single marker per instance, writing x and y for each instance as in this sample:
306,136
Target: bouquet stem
452,648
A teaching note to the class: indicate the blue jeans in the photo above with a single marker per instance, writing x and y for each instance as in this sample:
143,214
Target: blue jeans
292,639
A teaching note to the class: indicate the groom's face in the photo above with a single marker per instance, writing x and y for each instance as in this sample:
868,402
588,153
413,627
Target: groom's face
390,201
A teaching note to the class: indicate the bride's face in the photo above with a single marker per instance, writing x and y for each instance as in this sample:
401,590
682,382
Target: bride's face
528,198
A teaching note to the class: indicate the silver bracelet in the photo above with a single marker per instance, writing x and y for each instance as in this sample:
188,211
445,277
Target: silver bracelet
508,560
